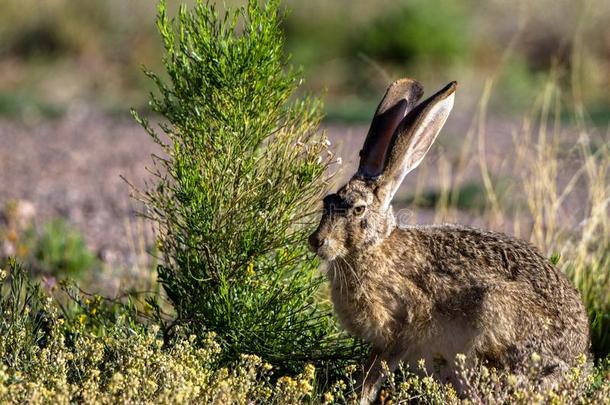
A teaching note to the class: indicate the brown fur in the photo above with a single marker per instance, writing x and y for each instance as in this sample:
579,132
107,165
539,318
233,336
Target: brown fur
431,292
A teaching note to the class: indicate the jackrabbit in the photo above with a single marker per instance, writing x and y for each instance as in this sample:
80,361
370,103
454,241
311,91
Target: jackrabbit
431,292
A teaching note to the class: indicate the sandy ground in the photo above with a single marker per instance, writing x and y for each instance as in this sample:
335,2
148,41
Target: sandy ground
72,168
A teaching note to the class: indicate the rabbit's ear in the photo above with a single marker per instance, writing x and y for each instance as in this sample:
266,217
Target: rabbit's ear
399,99
412,139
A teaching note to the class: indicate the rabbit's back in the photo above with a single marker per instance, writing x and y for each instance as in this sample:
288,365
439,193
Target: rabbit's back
512,300
458,252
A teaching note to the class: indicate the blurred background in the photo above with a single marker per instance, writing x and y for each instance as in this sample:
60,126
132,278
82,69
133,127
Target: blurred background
525,151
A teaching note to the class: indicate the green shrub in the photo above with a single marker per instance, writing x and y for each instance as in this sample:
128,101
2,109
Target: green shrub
594,289
25,106
56,248
420,31
244,166
22,322
60,249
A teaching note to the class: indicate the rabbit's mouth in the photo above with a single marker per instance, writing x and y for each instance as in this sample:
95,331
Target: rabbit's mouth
326,244
326,254
327,248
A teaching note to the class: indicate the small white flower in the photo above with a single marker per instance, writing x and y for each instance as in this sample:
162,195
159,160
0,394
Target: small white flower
535,357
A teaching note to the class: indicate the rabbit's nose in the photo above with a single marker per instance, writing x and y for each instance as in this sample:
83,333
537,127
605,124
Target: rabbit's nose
315,241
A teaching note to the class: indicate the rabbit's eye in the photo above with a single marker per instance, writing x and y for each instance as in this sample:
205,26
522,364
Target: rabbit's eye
359,210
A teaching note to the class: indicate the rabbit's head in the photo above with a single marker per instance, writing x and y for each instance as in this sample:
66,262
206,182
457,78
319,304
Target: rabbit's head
359,215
